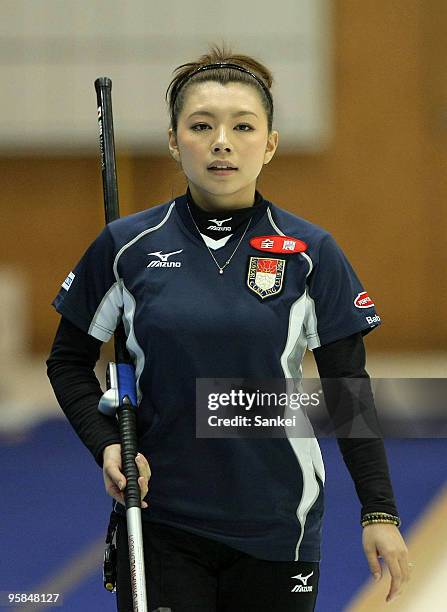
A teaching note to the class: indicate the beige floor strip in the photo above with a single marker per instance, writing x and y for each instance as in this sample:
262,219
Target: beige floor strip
427,589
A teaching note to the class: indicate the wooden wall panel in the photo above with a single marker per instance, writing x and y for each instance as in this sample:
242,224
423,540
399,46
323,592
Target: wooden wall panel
433,20
380,189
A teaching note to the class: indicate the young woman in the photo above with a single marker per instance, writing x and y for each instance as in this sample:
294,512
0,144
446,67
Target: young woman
217,283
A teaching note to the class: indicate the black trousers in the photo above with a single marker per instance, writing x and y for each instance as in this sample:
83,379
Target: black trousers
190,573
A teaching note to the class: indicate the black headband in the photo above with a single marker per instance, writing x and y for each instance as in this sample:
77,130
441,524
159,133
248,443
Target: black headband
222,65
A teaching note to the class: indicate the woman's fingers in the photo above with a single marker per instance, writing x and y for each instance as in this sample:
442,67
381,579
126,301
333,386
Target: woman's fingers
143,486
143,466
116,476
115,481
396,577
115,492
143,480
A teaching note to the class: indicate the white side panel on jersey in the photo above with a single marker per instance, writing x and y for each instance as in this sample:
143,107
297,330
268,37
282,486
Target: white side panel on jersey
317,459
107,314
311,324
127,303
295,348
303,447
313,341
132,345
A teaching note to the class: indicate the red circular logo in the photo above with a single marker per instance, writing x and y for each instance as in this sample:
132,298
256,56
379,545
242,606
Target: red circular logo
278,244
363,300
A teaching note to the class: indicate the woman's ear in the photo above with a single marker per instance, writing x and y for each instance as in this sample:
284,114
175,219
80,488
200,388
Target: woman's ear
272,145
173,146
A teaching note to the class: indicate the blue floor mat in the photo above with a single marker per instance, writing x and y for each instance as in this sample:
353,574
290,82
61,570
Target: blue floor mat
54,507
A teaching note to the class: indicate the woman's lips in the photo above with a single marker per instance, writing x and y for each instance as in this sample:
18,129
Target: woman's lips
222,172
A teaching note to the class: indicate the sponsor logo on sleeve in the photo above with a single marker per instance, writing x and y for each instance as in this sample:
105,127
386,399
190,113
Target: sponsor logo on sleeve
373,320
68,281
363,300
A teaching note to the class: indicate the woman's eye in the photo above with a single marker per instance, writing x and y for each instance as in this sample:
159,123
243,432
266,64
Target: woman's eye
206,125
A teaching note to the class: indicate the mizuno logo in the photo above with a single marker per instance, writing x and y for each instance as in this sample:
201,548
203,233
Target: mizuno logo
164,256
218,227
219,223
302,588
163,260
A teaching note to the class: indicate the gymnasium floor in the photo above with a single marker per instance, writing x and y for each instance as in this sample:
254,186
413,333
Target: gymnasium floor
55,511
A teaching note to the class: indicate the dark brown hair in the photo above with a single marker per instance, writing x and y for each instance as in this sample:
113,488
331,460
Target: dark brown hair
221,75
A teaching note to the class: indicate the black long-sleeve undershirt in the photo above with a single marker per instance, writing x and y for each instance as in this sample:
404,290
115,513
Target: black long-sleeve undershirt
365,458
70,368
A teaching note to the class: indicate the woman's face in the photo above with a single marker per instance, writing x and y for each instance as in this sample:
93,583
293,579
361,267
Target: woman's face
203,139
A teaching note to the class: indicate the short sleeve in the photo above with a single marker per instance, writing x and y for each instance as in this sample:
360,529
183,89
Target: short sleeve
91,295
337,304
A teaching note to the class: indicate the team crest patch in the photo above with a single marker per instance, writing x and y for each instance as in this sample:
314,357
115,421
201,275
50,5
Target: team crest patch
265,275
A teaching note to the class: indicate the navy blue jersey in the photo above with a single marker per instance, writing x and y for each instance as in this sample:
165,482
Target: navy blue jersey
184,320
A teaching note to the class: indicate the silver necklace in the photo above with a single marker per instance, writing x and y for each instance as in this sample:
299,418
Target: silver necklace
221,268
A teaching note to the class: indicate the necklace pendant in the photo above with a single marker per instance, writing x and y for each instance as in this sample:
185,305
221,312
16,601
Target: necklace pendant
220,271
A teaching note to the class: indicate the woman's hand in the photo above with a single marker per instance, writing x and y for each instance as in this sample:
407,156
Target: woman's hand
383,540
114,479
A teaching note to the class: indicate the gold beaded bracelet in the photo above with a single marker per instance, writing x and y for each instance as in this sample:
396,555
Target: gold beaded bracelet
380,517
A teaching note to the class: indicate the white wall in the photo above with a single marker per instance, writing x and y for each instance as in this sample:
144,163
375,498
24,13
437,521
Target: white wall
51,51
